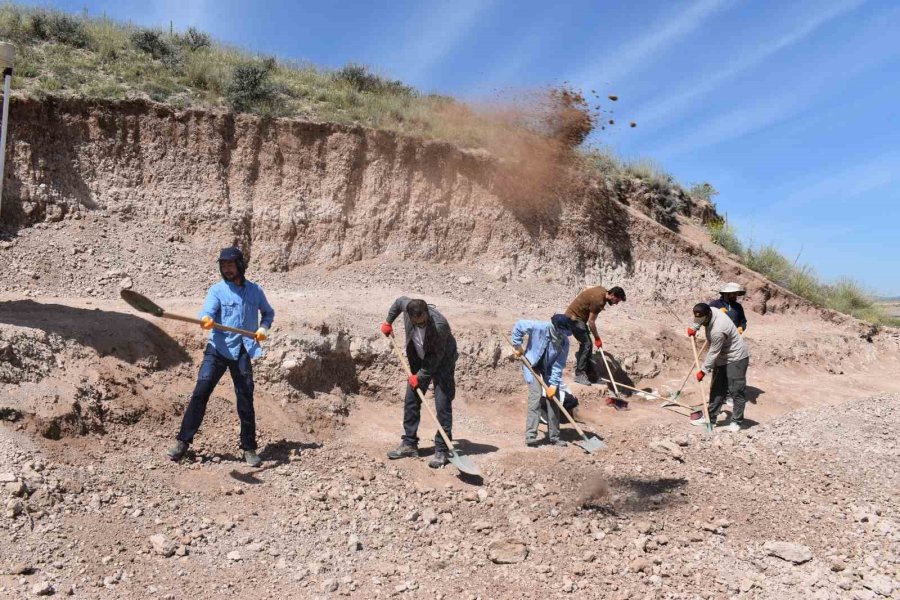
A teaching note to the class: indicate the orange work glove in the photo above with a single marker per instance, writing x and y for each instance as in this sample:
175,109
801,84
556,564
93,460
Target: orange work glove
386,329
741,330
207,322
518,351
700,375
261,334
551,391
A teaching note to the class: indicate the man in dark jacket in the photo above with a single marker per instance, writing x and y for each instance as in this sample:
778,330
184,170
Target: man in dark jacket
728,304
234,302
431,351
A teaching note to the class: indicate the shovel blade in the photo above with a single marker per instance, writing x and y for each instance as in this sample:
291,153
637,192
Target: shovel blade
591,444
464,464
141,303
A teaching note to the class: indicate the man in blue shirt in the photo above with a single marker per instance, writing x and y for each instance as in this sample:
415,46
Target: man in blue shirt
727,302
547,350
239,303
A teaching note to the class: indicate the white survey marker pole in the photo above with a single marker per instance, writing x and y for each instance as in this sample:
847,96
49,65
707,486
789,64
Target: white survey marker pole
7,56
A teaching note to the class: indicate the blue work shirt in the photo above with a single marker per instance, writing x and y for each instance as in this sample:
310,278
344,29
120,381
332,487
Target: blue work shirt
237,306
540,346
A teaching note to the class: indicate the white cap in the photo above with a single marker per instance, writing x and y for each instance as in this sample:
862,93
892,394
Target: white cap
732,288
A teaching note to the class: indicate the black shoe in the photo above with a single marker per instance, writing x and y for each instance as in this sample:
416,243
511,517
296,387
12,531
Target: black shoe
438,460
404,450
177,451
252,458
560,443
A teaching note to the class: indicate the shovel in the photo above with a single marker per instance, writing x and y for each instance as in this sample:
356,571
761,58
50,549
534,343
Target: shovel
463,463
619,403
703,396
146,305
591,444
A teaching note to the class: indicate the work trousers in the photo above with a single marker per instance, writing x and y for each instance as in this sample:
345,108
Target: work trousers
583,363
212,368
729,381
535,394
444,380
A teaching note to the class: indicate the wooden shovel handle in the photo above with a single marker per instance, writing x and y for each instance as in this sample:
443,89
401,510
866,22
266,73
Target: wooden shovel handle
608,370
703,395
409,372
220,327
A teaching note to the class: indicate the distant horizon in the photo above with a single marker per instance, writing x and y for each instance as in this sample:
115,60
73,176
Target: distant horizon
791,118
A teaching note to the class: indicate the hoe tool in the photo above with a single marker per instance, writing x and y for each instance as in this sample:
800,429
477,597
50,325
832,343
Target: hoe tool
673,399
591,443
146,305
461,462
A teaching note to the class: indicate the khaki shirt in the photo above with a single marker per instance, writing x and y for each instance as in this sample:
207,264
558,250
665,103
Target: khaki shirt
591,300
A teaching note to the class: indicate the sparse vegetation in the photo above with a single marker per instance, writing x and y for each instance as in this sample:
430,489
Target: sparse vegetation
846,295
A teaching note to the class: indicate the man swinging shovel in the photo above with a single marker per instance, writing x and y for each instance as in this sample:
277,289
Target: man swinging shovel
233,309
544,358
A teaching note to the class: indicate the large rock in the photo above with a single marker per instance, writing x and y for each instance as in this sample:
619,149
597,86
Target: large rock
162,545
788,551
507,551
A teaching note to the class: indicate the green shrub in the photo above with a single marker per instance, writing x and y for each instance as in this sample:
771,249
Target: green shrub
194,39
59,27
363,80
703,191
153,43
250,87
724,235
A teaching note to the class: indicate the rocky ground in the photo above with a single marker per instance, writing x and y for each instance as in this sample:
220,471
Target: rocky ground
803,507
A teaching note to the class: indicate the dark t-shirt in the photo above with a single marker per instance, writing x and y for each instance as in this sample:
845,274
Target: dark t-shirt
591,300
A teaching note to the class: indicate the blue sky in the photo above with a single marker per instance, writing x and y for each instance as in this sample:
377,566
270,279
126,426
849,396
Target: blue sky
789,108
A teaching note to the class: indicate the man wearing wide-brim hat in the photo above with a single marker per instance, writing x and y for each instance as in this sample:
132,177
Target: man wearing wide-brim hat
728,304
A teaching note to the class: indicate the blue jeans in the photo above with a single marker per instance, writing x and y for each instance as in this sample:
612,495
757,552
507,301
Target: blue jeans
212,368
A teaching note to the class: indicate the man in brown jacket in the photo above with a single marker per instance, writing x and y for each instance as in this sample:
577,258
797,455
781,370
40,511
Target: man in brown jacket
583,311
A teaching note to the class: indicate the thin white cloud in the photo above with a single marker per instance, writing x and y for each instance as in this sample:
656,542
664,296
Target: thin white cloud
434,34
874,47
709,82
850,183
636,54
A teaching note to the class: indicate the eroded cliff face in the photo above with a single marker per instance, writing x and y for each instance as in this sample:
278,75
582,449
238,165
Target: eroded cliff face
296,193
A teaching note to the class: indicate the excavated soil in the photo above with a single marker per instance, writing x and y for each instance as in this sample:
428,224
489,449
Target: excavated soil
339,222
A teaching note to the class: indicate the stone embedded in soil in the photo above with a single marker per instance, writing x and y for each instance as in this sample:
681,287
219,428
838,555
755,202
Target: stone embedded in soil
162,545
507,551
788,551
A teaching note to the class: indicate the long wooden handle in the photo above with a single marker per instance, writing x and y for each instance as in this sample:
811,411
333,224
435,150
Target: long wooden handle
409,372
704,398
691,371
608,370
540,380
220,327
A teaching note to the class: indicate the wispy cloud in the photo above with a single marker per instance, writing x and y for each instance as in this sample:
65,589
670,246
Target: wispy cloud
874,46
636,54
434,34
766,48
848,184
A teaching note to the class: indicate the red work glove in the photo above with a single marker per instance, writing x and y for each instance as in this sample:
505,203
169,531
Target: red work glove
386,329
691,332
700,375
412,379
598,343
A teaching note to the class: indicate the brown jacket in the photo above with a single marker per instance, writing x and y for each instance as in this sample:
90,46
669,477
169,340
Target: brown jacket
591,300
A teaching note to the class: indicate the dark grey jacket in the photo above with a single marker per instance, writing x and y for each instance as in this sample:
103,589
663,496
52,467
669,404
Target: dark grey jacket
442,350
